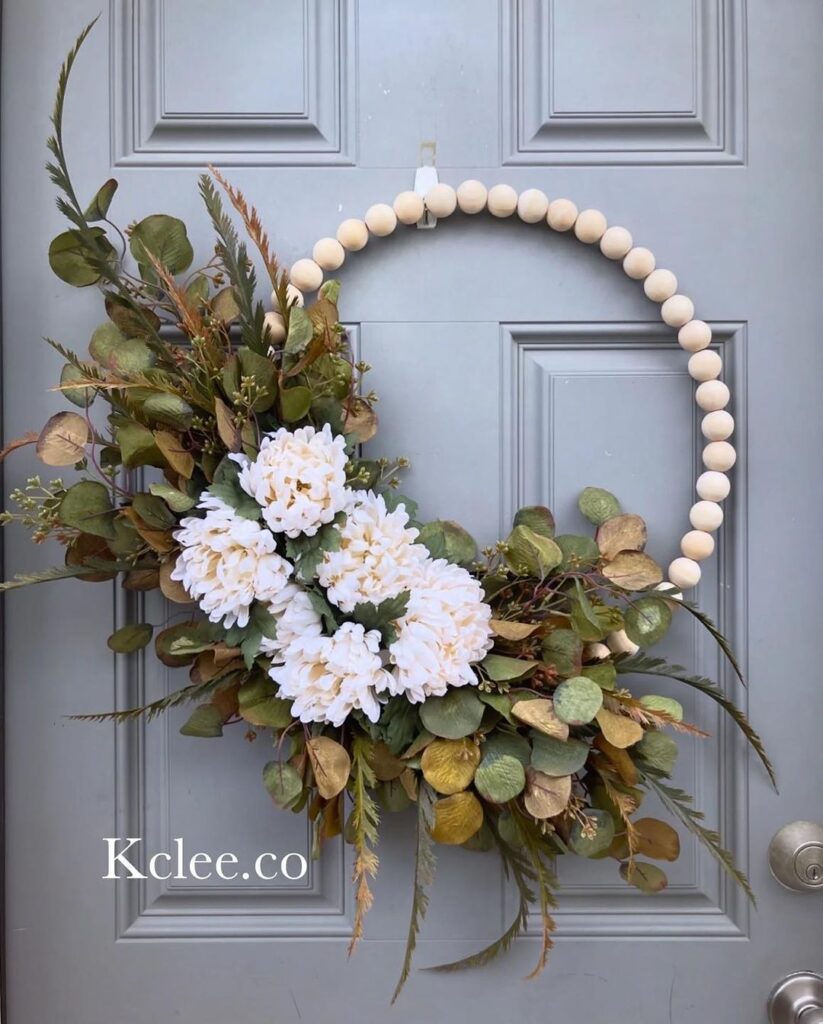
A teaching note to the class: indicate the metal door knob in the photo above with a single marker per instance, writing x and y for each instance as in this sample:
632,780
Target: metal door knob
797,999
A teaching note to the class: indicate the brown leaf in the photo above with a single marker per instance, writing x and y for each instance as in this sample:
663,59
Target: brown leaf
173,590
621,533
546,796
141,579
408,780
331,765
174,453
225,700
513,630
361,421
540,715
633,570
656,839
63,440
386,766
620,731
229,433
85,546
160,541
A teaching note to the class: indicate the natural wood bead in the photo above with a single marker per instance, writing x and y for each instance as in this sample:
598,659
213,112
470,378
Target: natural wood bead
705,365
712,395
718,425
502,201
409,207
294,297
561,215
713,486
665,586
276,325
615,243
471,196
719,455
695,335
677,310
660,285
353,234
590,226
619,643
684,573
596,652
532,205
706,516
639,263
441,200
381,219
306,275
328,253
697,544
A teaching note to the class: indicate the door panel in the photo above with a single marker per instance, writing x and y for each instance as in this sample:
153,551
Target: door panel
513,365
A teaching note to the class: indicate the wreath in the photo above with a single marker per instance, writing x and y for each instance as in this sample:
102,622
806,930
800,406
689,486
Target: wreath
388,662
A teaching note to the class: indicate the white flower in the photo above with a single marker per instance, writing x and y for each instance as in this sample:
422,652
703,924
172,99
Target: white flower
295,616
444,630
330,676
377,558
298,479
227,562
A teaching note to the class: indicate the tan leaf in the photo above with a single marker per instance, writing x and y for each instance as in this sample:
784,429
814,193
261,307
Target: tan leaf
386,766
621,533
656,839
620,760
546,796
633,570
331,765
513,630
63,440
171,589
361,421
226,427
204,668
457,818
174,453
449,765
19,442
160,541
620,731
141,579
223,654
408,780
539,714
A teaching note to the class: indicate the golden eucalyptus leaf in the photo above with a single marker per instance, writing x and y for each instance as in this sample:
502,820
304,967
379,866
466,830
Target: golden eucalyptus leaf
385,765
172,450
621,533
62,441
540,715
546,796
449,765
619,759
633,570
619,730
361,421
513,630
229,433
456,818
656,839
331,765
171,589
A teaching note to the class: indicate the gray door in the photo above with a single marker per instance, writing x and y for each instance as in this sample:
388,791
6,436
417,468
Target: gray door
514,365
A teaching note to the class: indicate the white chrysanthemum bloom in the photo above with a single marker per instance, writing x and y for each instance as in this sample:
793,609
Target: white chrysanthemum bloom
330,676
227,562
377,558
444,631
295,616
298,479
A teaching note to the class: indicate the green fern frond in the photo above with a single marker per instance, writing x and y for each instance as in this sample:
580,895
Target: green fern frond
715,633
365,823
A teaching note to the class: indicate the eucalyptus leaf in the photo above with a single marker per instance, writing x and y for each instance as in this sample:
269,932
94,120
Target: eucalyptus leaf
658,750
501,669
499,777
130,638
166,239
69,256
563,651
453,716
577,550
300,333
647,621
295,402
577,700
98,208
167,409
537,517
176,500
283,782
598,505
585,844
447,539
531,554
87,506
83,396
205,722
557,757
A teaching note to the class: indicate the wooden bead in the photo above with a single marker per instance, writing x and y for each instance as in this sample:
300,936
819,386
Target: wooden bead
353,234
695,335
706,516
306,275
665,586
596,652
276,325
697,544
590,226
409,207
713,486
718,425
441,200
712,395
684,573
532,205
660,285
381,219
471,196
639,263
705,365
677,310
502,201
619,643
615,243
328,254
719,455
294,297
561,215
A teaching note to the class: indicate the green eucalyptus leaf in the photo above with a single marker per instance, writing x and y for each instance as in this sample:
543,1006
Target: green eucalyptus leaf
604,674
538,518
170,410
205,722
648,878
68,257
500,668
668,705
658,750
259,704
510,744
130,638
530,554
598,505
563,651
137,445
647,621
116,352
577,700
557,757
283,782
295,402
586,845
81,396
301,330
153,511
453,716
166,239
87,506
98,208
499,777
446,539
577,550
176,500
253,364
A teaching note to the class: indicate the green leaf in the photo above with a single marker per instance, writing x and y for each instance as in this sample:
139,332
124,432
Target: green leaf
380,616
250,644
453,716
598,505
125,356
716,635
658,750
500,668
557,757
225,486
295,402
577,550
647,621
512,744
132,319
71,260
283,782
667,705
648,878
530,554
577,700
80,396
499,777
330,290
137,445
130,638
259,704
563,650
590,846
205,722
537,517
301,331
87,506
604,674
166,239
447,539
170,410
98,208
153,511
253,364
176,500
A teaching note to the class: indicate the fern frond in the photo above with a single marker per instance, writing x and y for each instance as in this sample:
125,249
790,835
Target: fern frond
365,822
715,633
157,707
253,224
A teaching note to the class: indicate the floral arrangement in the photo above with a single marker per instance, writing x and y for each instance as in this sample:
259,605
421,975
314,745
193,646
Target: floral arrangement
388,661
